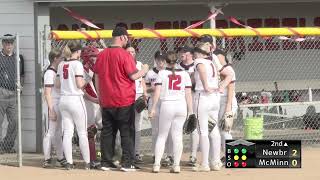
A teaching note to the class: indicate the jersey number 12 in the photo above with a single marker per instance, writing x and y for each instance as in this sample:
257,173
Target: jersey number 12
174,82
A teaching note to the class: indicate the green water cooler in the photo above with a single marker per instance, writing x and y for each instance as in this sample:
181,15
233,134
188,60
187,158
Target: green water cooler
253,128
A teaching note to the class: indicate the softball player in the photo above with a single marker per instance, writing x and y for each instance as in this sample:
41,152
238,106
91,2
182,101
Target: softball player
228,101
173,87
207,100
53,134
89,56
187,64
150,80
72,106
140,91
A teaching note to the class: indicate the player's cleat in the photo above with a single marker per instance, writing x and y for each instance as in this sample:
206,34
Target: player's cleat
201,168
109,166
69,166
95,165
216,166
175,169
129,168
87,166
138,159
192,161
156,168
167,161
47,163
61,162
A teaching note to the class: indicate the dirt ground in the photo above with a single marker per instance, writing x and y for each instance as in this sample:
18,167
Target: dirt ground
32,170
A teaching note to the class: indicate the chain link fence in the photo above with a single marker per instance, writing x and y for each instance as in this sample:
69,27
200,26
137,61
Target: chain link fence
268,70
10,113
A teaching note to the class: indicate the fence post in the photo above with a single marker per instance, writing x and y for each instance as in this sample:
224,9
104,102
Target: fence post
310,93
18,102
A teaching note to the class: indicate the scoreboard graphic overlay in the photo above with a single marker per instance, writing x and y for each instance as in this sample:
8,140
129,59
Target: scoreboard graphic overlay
263,153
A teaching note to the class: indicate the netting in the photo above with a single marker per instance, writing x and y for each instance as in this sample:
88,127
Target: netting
268,70
9,101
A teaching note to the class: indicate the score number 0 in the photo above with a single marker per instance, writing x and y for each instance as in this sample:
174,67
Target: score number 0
294,162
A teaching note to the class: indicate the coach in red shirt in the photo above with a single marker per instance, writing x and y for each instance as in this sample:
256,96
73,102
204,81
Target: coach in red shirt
115,74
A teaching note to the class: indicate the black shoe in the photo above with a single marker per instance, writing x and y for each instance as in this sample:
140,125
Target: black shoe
61,162
69,166
108,166
130,168
95,165
47,163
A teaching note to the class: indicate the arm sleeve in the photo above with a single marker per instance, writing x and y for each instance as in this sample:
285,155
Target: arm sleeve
48,78
79,71
147,79
228,71
159,79
196,63
129,64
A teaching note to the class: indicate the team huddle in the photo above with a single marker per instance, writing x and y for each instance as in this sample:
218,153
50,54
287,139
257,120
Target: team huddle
196,81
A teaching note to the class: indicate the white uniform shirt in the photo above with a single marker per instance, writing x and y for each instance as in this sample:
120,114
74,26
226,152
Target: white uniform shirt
139,88
67,72
173,86
230,69
211,71
220,68
49,79
151,77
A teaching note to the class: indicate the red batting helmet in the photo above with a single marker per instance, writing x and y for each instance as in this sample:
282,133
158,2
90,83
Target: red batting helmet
87,53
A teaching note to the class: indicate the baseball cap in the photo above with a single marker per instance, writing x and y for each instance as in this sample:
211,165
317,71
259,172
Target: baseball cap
206,38
185,49
119,31
8,38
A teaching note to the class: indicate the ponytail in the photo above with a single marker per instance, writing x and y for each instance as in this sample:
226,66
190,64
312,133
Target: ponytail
171,58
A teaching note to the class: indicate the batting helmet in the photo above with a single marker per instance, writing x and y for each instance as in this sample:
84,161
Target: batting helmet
87,53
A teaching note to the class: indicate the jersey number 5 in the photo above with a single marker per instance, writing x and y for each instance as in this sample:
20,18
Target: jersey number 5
65,71
174,82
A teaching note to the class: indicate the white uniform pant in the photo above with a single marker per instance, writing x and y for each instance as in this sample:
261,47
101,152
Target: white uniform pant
93,114
73,112
208,105
172,117
155,129
53,135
